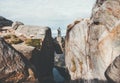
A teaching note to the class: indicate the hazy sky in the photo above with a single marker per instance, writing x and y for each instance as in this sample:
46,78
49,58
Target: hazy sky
52,13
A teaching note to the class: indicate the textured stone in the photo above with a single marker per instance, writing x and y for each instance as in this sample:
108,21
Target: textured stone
91,45
12,64
113,71
41,59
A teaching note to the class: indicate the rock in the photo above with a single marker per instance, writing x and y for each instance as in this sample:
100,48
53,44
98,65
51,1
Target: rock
16,24
113,71
76,49
38,48
31,32
92,44
26,50
5,22
59,45
12,39
59,56
60,40
42,57
12,64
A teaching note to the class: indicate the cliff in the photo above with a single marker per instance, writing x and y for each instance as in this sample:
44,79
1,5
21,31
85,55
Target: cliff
92,44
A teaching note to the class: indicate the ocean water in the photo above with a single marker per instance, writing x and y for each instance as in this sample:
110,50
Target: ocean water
57,77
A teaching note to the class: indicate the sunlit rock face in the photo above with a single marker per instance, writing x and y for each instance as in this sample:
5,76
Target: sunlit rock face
76,55
91,45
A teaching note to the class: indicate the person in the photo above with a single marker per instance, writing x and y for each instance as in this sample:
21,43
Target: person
59,32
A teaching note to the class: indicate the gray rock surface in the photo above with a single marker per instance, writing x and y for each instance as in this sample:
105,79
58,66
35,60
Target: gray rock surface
113,71
92,44
5,22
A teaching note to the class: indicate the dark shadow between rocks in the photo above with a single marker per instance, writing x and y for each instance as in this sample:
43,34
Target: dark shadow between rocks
43,59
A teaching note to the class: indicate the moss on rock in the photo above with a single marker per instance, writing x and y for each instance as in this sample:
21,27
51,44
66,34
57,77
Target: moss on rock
34,42
12,39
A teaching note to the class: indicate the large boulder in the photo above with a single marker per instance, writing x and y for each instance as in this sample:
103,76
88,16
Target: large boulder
5,22
92,44
13,65
113,71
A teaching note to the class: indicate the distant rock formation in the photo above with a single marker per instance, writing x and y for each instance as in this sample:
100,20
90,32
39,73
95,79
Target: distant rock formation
16,24
92,44
113,71
59,44
5,22
29,31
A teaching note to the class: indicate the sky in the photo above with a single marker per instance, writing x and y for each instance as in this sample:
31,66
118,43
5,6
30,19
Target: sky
52,13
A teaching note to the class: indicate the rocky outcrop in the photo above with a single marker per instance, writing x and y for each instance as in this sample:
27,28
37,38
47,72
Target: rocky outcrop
37,46
91,45
5,22
113,71
43,59
13,65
